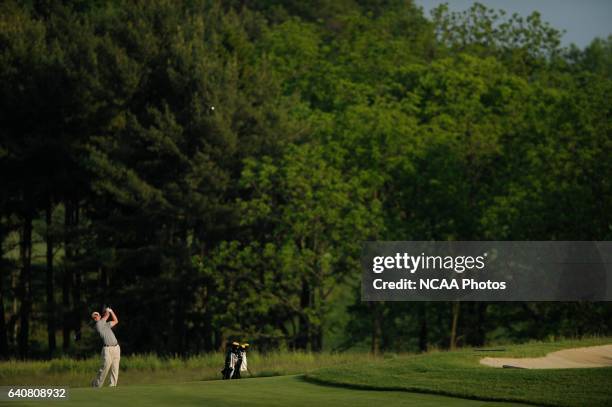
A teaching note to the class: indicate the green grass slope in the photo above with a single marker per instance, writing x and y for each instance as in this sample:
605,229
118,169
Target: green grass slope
460,374
271,391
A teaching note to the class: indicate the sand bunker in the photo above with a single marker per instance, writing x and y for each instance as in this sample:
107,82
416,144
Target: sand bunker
592,356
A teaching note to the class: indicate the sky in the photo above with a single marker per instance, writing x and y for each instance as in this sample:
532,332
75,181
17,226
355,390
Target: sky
582,20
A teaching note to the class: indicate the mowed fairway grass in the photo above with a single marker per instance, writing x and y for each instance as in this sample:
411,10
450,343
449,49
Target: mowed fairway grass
266,391
460,374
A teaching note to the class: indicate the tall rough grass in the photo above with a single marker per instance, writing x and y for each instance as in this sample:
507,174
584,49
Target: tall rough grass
150,368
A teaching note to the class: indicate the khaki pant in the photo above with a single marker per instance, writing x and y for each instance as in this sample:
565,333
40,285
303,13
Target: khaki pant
110,361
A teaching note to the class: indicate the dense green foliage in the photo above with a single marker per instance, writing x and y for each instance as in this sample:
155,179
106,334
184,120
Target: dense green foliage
459,374
210,168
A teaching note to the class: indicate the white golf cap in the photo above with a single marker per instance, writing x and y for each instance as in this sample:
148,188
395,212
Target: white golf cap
93,314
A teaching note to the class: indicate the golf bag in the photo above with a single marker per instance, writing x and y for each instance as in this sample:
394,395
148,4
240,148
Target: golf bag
241,363
231,358
237,369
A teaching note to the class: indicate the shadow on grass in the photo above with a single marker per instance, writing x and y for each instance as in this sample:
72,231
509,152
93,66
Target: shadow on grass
314,380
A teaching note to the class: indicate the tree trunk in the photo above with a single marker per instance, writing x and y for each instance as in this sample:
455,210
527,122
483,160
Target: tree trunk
423,334
480,332
303,337
77,279
49,282
316,329
13,319
3,328
208,344
220,340
453,335
67,277
316,340
178,326
375,308
76,303
25,286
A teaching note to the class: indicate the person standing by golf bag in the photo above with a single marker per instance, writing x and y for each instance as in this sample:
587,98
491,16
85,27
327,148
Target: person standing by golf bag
241,363
231,358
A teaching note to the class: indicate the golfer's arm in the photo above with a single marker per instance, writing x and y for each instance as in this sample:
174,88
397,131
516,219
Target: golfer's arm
105,316
114,321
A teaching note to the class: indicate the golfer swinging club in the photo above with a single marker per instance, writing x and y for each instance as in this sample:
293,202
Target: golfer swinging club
111,352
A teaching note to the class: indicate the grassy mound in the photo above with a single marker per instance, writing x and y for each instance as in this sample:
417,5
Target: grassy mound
460,374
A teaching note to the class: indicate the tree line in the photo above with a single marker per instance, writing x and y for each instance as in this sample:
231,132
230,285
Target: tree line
210,169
